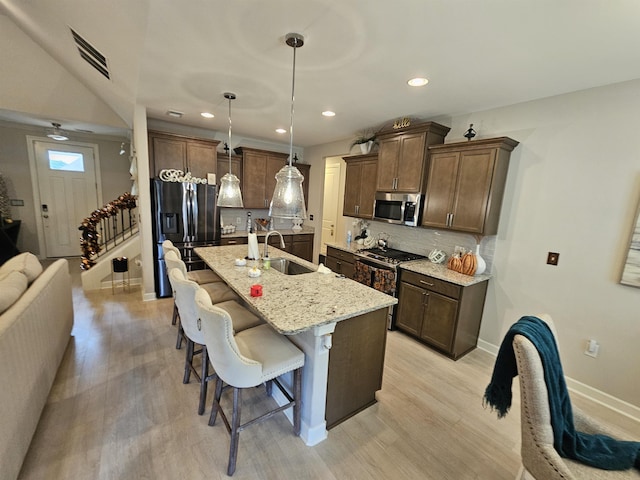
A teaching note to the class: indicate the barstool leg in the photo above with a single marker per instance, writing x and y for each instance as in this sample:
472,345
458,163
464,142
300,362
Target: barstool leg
235,434
180,335
174,317
203,380
216,402
187,361
297,395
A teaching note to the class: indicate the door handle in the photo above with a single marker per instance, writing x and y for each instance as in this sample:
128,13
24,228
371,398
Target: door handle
426,283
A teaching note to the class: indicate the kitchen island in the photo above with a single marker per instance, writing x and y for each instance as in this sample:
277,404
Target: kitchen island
339,324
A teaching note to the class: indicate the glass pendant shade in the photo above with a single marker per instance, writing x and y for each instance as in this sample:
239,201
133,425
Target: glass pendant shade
288,196
230,195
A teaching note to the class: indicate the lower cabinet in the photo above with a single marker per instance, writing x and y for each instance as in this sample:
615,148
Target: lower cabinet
441,314
300,245
340,262
234,241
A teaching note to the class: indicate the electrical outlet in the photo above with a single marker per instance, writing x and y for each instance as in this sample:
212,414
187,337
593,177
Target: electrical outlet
459,249
593,348
238,220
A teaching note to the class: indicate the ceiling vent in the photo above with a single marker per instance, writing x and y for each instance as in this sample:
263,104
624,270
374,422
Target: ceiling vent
90,54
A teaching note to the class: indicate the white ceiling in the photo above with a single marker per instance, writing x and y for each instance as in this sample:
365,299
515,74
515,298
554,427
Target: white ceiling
358,54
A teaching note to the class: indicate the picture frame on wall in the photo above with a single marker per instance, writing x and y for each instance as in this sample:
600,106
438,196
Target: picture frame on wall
631,268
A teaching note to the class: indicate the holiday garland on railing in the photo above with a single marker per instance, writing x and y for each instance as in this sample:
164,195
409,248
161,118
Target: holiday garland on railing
89,241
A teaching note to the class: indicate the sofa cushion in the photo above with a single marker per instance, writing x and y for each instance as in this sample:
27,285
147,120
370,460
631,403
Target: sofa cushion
26,262
12,286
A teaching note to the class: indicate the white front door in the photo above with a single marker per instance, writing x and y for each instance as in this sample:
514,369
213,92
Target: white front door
330,204
68,194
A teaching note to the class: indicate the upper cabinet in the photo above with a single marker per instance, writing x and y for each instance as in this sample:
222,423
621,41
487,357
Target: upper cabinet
194,155
360,187
403,154
223,166
259,168
465,185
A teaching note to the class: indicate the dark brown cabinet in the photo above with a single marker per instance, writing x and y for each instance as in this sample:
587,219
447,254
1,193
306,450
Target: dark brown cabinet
259,168
234,241
402,156
340,261
439,313
194,155
300,245
360,186
465,185
223,166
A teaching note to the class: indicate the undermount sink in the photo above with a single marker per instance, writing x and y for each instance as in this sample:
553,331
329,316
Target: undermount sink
289,267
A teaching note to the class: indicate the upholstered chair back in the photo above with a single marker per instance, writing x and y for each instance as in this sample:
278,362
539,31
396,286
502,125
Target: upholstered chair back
230,364
173,261
168,245
185,292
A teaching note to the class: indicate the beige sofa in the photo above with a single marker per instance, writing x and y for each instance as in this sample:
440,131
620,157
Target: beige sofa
35,329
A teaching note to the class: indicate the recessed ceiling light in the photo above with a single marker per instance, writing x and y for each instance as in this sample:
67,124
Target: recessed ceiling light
329,113
207,115
280,130
418,82
175,114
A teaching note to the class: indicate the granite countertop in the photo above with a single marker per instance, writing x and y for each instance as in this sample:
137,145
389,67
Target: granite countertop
262,233
294,303
425,267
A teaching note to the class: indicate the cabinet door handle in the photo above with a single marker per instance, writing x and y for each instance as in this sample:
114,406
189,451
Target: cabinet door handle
426,283
425,299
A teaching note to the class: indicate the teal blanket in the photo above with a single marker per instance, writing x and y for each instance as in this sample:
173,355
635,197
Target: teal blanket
598,451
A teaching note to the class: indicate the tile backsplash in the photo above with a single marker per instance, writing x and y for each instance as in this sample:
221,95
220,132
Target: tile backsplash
228,216
424,240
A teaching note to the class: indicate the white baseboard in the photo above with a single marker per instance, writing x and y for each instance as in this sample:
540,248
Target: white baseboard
579,388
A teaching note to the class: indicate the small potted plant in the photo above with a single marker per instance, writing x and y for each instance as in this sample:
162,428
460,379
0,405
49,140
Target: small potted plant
366,140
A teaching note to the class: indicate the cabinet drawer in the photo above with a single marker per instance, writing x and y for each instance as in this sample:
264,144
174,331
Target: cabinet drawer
340,254
234,241
430,283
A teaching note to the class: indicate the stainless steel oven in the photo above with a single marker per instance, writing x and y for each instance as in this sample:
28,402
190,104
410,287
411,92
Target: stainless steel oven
377,268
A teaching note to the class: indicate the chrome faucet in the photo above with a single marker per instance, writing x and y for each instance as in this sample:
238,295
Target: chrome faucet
266,242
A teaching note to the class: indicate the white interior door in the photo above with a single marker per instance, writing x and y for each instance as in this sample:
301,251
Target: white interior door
68,194
330,204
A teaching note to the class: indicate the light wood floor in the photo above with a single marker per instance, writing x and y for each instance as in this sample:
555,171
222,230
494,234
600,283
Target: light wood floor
118,410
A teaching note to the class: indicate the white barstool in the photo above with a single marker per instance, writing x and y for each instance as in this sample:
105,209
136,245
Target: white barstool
198,276
185,291
201,276
218,291
247,360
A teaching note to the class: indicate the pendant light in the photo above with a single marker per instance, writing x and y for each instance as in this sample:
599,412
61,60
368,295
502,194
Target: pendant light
230,195
288,197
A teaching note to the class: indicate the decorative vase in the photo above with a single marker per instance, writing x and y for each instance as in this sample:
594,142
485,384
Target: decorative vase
481,264
366,147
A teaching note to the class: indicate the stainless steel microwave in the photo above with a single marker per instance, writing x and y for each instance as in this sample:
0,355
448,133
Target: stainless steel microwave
400,208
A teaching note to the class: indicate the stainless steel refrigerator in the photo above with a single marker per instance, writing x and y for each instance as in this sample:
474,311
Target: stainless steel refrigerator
186,214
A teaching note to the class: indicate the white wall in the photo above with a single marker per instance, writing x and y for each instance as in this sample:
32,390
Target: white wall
573,188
